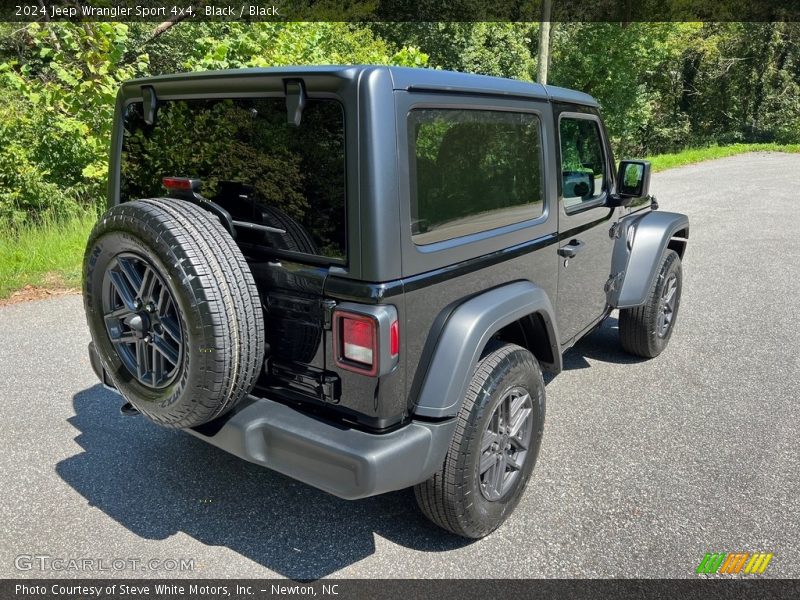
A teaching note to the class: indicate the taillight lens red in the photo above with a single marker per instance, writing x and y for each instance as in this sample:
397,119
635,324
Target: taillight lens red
358,340
365,343
177,183
394,339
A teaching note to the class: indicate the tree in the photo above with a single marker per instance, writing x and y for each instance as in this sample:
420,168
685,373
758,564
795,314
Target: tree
543,56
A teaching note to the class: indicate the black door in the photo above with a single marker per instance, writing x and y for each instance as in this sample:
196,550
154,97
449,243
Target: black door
584,220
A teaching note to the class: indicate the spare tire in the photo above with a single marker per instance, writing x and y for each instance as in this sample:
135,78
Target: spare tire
173,310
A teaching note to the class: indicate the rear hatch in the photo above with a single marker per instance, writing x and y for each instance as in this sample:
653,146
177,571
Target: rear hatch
283,185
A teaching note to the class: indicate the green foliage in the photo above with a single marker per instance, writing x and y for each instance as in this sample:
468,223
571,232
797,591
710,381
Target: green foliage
663,87
58,83
55,125
746,83
660,162
48,254
24,186
666,86
500,49
278,44
621,65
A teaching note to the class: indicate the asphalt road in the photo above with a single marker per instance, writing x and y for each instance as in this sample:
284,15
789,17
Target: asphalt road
644,467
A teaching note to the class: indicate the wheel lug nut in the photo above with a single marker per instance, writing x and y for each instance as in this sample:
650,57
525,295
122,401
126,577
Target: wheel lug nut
147,339
137,304
150,307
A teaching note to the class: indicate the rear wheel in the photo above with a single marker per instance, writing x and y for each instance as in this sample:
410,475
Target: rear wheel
173,310
646,330
494,449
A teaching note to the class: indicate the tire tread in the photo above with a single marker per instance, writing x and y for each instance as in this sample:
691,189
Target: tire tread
441,497
636,324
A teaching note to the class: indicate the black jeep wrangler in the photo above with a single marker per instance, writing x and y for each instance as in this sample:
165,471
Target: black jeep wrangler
357,275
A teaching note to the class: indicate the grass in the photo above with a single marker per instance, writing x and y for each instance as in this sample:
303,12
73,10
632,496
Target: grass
48,255
661,162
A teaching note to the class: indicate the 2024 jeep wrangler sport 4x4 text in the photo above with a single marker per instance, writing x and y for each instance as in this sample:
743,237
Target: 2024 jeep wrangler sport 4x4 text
356,275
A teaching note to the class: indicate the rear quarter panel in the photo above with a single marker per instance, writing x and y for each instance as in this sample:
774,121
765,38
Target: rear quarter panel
440,276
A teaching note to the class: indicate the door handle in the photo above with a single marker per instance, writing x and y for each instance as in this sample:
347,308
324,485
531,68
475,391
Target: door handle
571,249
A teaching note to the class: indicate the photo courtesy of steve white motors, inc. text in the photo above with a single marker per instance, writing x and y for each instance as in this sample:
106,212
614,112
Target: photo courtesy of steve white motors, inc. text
172,589
135,11
123,589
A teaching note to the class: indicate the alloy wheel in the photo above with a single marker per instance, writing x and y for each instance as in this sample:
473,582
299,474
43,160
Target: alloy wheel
142,321
505,443
669,297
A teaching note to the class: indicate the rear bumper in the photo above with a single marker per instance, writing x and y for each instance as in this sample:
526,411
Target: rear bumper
345,462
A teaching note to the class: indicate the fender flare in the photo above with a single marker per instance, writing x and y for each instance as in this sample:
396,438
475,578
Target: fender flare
466,333
637,255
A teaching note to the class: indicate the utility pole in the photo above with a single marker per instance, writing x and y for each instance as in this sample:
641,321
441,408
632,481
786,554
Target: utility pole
544,42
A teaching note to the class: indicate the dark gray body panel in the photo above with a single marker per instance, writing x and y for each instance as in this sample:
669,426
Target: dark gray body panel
581,279
638,251
467,332
430,300
447,81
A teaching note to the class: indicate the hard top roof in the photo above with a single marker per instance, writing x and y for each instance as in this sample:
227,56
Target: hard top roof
403,78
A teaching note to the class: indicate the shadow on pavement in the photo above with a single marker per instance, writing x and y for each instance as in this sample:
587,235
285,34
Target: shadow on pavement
602,345
157,482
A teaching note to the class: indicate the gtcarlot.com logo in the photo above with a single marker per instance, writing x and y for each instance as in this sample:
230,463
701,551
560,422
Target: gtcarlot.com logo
734,563
44,562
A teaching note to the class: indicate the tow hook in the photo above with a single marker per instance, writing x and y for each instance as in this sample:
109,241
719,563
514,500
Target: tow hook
128,410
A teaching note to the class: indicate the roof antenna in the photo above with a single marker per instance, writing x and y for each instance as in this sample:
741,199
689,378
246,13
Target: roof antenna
295,100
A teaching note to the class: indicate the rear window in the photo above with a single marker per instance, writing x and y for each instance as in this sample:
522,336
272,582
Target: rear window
472,171
252,163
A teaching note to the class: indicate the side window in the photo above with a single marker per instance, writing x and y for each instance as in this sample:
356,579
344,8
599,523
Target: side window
583,165
472,170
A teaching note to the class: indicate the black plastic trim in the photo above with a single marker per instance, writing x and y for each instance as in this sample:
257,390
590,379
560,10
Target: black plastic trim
465,334
345,462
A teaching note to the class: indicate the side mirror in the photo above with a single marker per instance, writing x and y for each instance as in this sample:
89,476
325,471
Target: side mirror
633,178
633,181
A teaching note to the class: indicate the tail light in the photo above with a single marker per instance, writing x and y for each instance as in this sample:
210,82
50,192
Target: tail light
183,185
359,339
366,339
177,183
394,338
